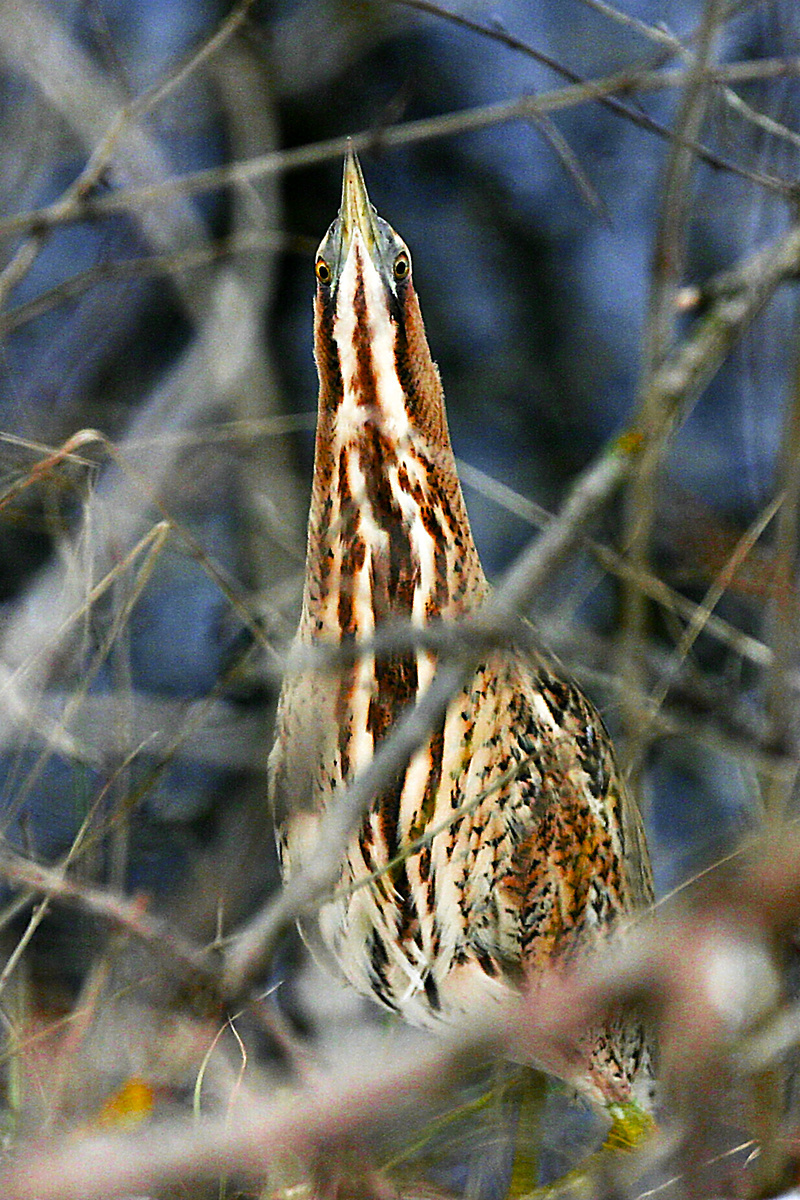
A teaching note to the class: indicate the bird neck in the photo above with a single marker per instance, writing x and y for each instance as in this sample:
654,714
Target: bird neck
388,536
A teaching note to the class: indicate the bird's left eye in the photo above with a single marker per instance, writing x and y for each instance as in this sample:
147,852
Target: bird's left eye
402,266
323,271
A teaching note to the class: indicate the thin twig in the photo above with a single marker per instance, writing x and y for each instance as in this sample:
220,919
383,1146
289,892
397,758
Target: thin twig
704,610
130,916
242,174
630,79
677,384
37,25
149,267
673,45
616,564
668,264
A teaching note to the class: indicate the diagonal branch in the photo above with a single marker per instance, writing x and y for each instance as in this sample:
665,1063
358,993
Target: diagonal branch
521,108
677,384
669,259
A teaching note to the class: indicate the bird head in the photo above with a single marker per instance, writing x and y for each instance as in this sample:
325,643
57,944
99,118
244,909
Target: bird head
372,353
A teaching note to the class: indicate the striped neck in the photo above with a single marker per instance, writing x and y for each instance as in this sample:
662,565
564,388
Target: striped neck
389,537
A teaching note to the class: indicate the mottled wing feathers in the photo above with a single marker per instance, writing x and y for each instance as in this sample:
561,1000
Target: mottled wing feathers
508,839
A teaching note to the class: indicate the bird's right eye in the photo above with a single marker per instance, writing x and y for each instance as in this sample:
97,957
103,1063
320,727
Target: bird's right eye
402,266
323,271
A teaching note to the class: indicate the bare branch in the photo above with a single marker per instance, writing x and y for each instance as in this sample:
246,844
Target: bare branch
707,972
107,124
149,267
409,133
129,916
634,78
677,384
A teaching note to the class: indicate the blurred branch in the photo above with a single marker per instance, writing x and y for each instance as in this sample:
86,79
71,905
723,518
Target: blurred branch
202,382
675,385
32,40
45,629
243,1142
637,77
781,705
270,513
695,711
614,563
706,973
210,373
82,837
230,25
550,132
673,45
654,33
227,738
142,564
247,433
668,265
150,267
130,916
702,613
408,133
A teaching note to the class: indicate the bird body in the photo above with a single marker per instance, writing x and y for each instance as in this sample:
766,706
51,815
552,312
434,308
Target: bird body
535,843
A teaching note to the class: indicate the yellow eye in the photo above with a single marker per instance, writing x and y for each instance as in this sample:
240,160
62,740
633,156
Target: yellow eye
402,266
323,271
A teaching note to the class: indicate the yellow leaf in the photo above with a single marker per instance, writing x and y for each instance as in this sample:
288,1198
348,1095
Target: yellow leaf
129,1105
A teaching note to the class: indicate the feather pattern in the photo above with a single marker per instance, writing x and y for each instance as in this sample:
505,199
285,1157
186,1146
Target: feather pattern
539,844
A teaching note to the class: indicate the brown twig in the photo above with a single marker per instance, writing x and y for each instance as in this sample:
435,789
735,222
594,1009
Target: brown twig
130,916
706,972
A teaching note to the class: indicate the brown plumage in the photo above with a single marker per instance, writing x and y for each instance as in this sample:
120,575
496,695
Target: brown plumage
550,849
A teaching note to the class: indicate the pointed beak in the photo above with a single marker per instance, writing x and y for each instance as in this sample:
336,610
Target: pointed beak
356,213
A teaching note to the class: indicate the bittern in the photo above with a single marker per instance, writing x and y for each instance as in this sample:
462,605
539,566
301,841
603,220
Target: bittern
539,845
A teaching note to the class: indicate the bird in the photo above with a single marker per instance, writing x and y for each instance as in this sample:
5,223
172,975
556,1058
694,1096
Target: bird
536,845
